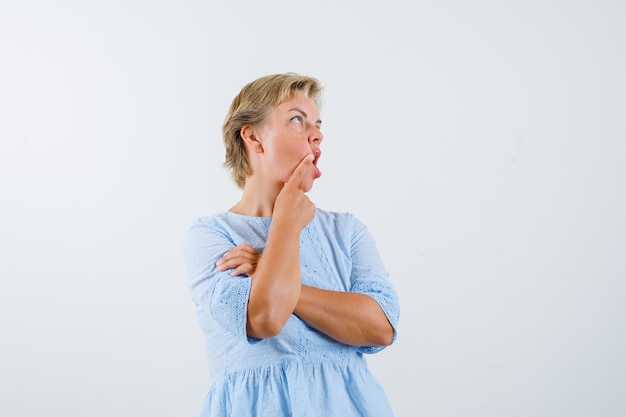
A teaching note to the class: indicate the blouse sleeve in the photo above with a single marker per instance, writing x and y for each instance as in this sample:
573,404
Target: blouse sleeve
219,297
369,276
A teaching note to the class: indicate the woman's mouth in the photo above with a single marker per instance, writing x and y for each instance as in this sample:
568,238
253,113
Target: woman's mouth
317,155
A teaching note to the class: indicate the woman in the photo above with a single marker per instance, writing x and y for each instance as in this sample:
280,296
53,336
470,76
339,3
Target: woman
289,296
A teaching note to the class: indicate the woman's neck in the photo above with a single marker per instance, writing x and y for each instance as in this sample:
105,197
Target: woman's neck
257,199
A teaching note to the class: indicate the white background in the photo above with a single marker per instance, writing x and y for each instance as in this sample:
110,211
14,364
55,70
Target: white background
483,143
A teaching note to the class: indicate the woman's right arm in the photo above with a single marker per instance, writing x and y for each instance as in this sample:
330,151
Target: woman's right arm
276,283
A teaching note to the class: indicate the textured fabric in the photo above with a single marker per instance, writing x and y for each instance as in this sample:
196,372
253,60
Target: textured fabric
301,372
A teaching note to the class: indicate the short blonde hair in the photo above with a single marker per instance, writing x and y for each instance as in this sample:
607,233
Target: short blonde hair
252,106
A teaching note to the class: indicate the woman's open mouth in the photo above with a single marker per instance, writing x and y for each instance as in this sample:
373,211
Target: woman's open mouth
317,155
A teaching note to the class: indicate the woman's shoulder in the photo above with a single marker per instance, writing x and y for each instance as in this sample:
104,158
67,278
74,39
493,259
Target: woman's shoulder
220,222
338,219
227,217
215,220
228,225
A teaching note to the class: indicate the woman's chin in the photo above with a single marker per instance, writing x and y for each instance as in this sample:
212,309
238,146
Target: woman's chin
307,184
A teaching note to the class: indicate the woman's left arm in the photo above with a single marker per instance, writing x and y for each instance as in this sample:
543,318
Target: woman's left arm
352,318
366,316
348,317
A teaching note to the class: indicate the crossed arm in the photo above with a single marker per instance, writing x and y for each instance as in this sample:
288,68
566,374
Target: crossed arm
351,318
277,291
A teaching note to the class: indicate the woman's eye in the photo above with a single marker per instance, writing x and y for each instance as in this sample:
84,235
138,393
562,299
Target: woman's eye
297,119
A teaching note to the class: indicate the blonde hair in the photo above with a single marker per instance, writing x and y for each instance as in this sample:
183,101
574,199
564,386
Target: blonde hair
251,107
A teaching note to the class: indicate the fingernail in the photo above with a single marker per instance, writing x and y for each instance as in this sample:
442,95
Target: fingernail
310,157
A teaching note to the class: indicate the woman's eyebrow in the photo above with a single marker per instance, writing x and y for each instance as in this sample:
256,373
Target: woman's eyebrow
318,122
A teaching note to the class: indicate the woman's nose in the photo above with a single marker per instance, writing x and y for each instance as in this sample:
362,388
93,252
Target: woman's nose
316,136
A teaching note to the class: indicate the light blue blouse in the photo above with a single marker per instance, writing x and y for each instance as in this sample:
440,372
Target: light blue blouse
300,372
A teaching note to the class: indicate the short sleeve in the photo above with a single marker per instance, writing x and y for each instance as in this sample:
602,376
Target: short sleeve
369,276
219,297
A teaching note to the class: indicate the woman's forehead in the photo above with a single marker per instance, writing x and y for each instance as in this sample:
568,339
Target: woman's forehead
301,101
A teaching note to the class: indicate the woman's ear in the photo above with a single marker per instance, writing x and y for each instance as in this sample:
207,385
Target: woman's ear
249,138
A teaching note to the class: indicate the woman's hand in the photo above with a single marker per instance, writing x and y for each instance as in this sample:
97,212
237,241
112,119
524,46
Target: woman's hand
293,210
243,259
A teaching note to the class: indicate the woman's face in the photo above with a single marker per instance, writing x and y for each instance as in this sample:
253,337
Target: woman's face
291,131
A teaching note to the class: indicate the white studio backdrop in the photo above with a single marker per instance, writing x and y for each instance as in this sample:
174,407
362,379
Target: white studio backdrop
483,143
